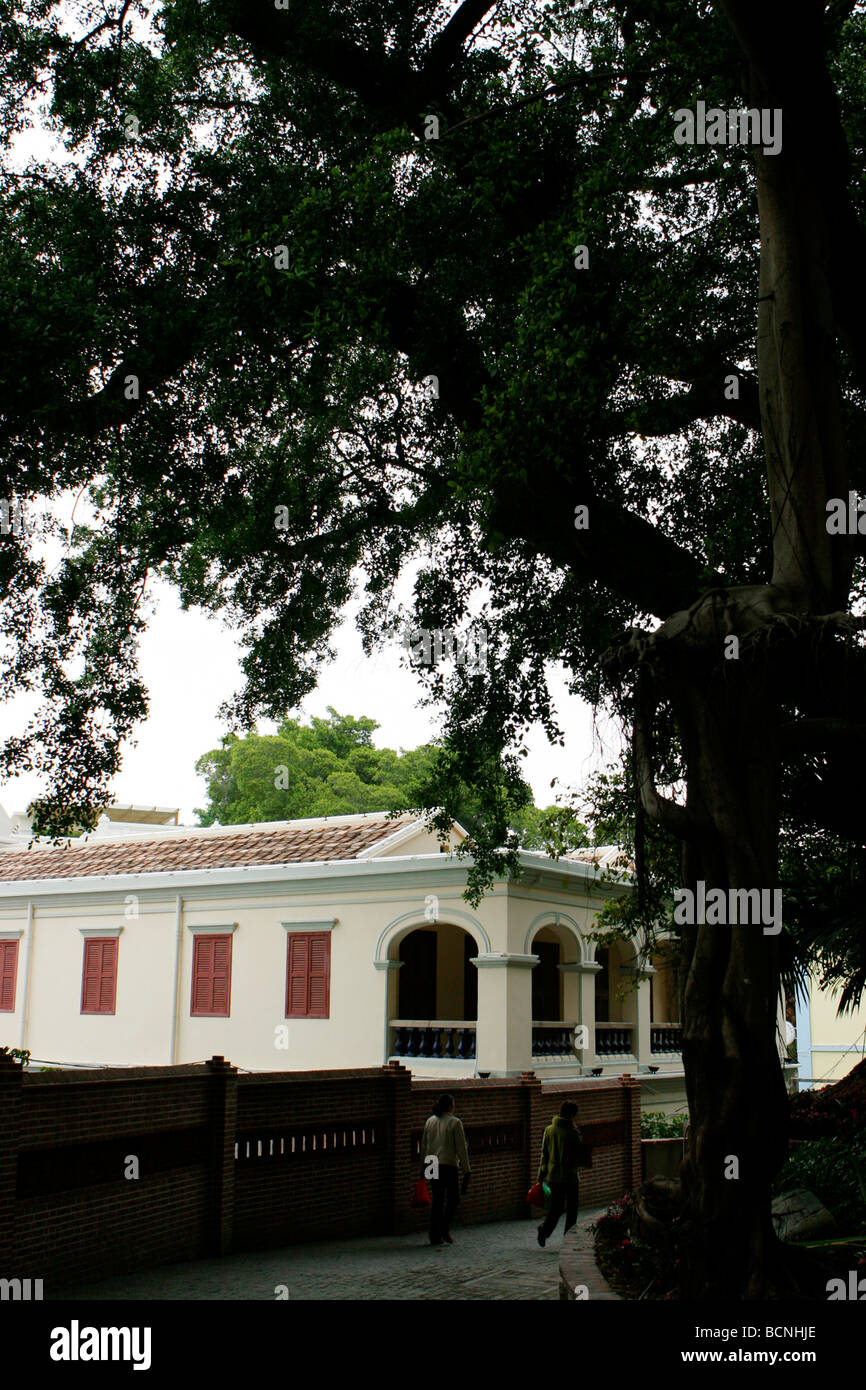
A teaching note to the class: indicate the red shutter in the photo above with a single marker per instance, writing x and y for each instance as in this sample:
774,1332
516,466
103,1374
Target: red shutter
99,976
211,976
108,976
202,973
308,978
222,974
8,974
320,974
296,987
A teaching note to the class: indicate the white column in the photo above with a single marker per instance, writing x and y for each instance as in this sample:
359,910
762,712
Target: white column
579,1003
389,968
504,1030
642,1035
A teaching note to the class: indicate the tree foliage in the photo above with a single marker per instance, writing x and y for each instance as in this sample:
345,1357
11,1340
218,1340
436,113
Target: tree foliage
321,296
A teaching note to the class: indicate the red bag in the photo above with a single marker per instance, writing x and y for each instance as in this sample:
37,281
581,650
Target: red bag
420,1197
535,1195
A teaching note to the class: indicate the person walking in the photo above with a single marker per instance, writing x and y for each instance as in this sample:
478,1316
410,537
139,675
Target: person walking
443,1149
560,1150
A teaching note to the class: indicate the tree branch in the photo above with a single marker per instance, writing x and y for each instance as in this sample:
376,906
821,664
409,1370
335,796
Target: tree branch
447,48
704,401
679,820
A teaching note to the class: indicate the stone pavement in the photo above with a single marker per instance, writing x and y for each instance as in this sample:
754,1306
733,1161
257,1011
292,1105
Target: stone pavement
579,1276
495,1261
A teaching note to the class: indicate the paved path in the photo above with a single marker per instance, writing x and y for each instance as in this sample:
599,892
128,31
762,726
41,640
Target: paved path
497,1261
581,1277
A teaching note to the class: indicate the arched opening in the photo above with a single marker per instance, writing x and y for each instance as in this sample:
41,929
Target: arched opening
546,977
433,1007
615,1000
552,1030
665,1000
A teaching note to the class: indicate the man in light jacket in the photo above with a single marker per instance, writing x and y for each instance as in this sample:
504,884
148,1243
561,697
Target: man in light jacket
443,1150
558,1168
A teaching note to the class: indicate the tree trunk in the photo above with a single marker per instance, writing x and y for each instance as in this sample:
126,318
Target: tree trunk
730,984
728,712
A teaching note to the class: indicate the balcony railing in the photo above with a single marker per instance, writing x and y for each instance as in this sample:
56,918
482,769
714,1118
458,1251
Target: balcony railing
666,1037
434,1038
552,1040
613,1039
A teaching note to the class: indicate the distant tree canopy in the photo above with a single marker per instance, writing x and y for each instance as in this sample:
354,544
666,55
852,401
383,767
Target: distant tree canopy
329,767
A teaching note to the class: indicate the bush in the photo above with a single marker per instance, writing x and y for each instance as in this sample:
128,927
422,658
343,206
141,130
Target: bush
633,1268
834,1168
18,1054
655,1125
835,1110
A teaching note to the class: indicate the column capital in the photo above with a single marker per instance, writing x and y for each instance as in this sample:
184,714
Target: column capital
639,972
500,960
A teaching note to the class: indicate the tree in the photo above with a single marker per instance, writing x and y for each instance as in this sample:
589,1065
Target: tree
328,767
329,289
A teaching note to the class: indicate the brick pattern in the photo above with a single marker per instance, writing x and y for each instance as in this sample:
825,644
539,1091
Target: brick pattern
70,1122
11,1074
325,1155
325,1194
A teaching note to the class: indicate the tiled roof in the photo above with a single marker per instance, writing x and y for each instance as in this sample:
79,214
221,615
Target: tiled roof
300,843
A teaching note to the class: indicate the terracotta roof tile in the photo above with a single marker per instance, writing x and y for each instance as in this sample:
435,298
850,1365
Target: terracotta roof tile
286,844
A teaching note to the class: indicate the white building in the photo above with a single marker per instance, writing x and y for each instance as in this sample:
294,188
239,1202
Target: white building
318,944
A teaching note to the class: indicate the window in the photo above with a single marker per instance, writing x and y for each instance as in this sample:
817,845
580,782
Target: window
8,974
99,976
308,975
211,976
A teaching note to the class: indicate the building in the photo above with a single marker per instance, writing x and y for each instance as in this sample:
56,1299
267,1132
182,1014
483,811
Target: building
828,1045
316,944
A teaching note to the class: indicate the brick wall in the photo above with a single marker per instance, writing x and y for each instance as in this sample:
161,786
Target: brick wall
339,1179
231,1162
77,1213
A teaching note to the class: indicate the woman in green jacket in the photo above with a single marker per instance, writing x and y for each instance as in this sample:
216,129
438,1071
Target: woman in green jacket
558,1168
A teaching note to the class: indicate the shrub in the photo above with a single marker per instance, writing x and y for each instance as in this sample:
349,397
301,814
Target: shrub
834,1168
631,1266
655,1125
826,1112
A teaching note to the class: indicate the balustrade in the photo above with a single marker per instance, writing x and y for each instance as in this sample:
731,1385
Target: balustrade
552,1040
665,1037
454,1039
613,1039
